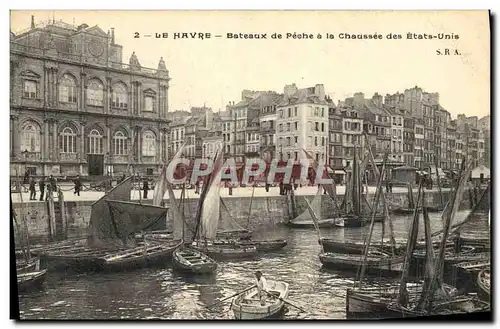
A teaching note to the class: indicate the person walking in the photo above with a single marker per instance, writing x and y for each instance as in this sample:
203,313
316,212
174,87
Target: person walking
78,185
41,186
145,188
32,189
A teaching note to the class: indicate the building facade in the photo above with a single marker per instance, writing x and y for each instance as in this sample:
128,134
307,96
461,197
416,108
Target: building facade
75,108
302,123
336,152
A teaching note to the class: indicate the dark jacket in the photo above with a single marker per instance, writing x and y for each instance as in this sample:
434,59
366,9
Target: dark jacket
41,184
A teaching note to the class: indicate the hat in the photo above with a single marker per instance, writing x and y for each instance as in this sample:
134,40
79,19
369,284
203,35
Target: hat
258,272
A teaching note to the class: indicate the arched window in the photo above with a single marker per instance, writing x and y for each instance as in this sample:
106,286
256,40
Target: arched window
148,144
67,89
95,142
95,93
120,143
120,97
30,137
68,141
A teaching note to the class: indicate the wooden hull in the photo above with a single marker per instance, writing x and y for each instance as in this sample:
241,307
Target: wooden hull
27,282
370,303
248,306
23,266
191,261
350,247
239,235
309,223
229,251
374,263
483,285
142,256
457,305
357,221
403,211
265,245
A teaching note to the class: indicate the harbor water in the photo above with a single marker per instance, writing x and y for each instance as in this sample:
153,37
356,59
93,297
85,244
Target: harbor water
158,293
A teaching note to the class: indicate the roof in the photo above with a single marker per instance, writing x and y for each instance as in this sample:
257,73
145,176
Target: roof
374,108
304,95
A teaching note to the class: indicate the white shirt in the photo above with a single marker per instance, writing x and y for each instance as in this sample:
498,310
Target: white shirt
261,284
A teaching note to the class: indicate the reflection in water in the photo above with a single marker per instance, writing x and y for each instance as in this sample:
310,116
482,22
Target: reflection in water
157,293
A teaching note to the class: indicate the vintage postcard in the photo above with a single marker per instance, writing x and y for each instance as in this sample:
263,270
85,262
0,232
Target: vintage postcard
250,164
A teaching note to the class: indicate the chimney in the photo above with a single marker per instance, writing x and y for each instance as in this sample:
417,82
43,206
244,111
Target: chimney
32,21
289,90
319,90
359,98
112,35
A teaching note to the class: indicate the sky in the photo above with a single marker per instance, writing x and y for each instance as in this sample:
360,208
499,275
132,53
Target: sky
214,71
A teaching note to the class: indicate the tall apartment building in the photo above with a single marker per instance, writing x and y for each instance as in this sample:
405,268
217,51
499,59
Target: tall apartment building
227,133
419,142
76,108
267,125
177,134
408,139
397,129
302,123
213,140
335,127
351,111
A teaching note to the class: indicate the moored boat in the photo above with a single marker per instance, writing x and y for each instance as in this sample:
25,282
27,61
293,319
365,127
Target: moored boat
29,265
484,285
225,251
248,306
261,245
376,261
152,253
240,234
372,302
356,221
323,223
188,260
30,281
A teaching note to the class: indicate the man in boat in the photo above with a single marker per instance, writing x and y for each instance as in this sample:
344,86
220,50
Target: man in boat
261,287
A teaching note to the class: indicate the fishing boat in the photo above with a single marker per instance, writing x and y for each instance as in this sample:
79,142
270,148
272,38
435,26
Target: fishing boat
111,243
373,301
185,259
209,214
28,272
248,306
484,285
238,234
376,261
30,281
410,209
25,266
144,255
429,302
351,214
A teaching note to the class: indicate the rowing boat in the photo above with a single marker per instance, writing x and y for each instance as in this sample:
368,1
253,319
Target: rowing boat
225,250
484,284
192,261
248,306
30,281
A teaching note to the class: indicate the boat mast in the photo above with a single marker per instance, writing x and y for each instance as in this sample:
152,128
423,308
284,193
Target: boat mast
410,246
26,244
372,222
250,207
384,199
438,180
183,198
355,185
448,218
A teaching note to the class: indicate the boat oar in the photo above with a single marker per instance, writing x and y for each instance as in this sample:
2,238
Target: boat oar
220,301
286,302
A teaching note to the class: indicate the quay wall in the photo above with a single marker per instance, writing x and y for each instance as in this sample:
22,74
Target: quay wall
266,212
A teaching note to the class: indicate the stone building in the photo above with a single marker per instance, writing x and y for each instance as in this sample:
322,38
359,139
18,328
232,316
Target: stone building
267,123
302,123
352,128
75,108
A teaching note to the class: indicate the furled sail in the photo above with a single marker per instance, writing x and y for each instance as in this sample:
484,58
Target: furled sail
101,228
129,218
210,209
161,184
